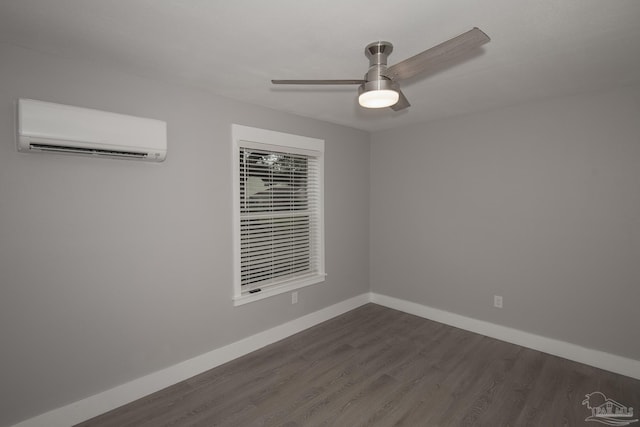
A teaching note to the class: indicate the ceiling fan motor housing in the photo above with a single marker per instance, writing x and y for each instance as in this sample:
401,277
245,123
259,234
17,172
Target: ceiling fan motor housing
381,84
377,52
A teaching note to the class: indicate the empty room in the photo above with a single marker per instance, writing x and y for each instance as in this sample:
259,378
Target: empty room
305,213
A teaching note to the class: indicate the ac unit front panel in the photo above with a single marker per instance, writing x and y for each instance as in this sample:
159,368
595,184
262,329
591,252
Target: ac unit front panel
83,128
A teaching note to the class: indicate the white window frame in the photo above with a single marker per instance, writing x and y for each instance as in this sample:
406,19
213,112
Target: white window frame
245,136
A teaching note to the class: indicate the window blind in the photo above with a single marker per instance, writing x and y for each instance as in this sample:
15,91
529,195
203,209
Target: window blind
279,217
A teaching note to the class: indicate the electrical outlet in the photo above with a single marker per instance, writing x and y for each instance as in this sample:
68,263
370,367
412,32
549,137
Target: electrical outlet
294,297
497,301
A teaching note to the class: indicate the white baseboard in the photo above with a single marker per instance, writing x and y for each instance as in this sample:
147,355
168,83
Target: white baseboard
599,359
100,403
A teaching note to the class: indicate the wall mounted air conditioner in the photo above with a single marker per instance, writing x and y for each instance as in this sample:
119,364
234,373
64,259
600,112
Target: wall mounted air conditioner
56,128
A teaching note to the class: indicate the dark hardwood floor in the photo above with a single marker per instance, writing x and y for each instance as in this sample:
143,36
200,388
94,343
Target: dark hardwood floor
375,366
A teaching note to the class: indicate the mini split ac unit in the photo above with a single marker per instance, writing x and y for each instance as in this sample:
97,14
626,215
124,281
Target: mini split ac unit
55,128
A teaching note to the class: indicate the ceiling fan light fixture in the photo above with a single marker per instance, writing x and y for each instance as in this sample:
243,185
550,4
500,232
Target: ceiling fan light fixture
378,98
378,94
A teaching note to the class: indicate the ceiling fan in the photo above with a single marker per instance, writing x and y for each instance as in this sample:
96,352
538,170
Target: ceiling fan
380,87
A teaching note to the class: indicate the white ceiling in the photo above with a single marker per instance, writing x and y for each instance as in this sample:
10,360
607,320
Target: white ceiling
539,48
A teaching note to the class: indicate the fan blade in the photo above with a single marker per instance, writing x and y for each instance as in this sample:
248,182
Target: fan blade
402,103
437,54
317,82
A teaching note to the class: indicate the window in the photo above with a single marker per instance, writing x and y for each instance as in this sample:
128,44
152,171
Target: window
278,212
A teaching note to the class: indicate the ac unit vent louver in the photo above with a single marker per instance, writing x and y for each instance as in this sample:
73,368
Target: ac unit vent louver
85,151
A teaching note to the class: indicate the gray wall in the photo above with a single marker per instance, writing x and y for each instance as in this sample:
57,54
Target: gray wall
539,204
113,269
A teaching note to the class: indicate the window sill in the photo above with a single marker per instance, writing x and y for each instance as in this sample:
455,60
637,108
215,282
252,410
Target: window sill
278,289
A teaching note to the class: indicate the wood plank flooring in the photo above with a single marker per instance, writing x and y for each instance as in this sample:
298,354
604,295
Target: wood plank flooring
375,366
